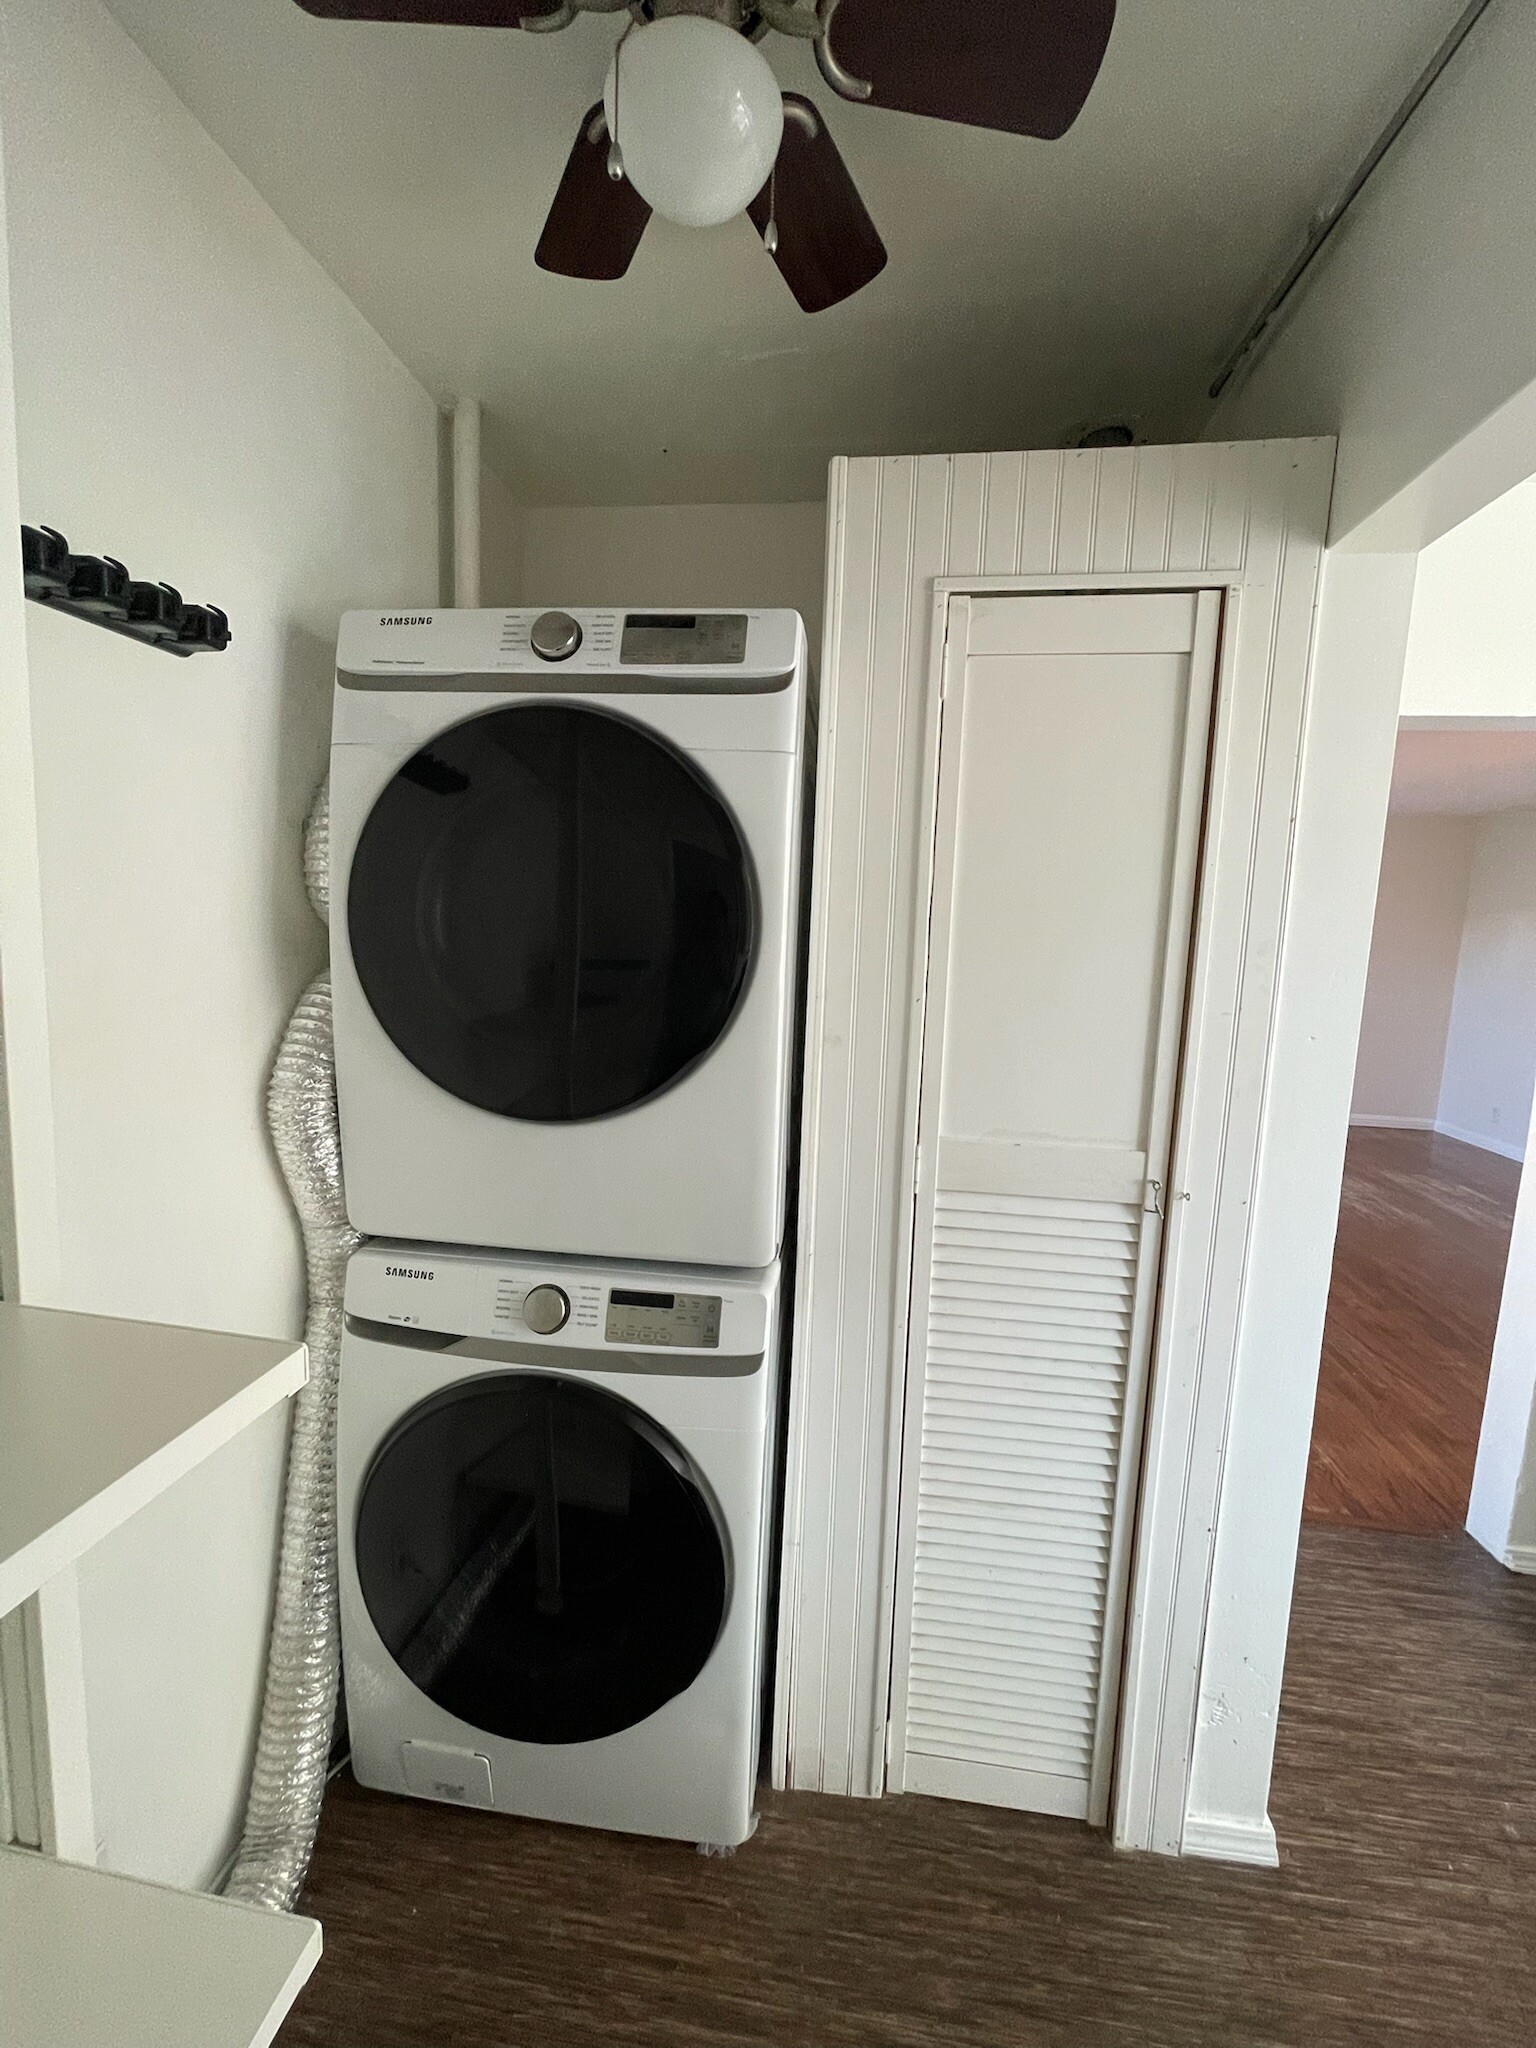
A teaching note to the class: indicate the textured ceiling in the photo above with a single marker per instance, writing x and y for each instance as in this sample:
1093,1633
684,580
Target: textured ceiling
1033,288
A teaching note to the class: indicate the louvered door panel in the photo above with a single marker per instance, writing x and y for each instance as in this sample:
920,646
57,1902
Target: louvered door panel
1071,762
1030,1309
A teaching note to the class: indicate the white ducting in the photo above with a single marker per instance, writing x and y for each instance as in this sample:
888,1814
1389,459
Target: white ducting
466,503
303,1663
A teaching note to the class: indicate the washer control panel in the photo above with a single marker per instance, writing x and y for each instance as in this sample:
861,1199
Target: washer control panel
640,1315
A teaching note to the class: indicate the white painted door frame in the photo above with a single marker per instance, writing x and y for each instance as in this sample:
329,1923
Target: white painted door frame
906,535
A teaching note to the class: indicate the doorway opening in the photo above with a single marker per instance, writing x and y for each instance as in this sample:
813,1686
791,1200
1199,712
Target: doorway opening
1442,1103
1405,1734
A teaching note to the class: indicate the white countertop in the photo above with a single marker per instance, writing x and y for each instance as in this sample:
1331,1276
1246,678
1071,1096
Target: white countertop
88,1960
98,1415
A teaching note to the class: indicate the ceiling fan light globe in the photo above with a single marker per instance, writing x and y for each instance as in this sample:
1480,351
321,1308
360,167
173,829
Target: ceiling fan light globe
698,116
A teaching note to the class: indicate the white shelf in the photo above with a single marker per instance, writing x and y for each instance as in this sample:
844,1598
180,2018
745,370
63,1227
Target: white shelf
98,1415
93,1961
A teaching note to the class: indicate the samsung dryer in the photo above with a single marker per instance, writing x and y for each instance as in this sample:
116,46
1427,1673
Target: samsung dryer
554,1487
564,858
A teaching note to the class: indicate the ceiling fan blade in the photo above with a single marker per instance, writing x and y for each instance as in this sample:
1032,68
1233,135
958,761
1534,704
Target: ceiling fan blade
595,222
1023,66
450,13
828,247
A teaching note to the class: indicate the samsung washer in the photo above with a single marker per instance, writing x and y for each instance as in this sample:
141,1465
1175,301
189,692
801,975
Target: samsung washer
564,855
554,1484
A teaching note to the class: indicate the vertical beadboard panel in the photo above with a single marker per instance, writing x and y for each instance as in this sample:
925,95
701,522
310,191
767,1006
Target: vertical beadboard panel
1112,528
1152,510
1257,520
967,518
1042,515
1078,511
1003,510
1189,526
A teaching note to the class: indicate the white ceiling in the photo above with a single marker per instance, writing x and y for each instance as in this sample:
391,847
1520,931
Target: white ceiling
1469,772
1033,288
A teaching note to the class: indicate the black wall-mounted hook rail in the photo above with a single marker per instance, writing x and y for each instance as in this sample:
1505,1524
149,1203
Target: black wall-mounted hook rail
100,590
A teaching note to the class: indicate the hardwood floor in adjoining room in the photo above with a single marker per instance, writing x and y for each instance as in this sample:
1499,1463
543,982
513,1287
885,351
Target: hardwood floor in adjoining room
1418,1272
1404,1797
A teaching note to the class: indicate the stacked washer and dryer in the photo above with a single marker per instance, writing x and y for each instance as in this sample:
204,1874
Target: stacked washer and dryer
565,852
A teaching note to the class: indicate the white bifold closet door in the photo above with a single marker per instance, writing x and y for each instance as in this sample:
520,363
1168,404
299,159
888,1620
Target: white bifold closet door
1074,732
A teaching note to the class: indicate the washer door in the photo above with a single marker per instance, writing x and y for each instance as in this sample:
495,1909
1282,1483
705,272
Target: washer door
551,912
540,1558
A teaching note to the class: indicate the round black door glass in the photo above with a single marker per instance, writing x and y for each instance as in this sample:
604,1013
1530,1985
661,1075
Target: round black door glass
539,1559
551,912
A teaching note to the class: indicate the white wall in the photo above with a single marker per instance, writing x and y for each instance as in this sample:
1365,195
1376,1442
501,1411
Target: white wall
1346,770
195,396
1421,902
1414,338
1472,639
503,532
677,556
1490,1054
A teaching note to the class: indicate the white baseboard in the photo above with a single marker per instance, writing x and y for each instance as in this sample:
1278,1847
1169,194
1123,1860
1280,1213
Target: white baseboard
1368,1121
1483,1144
1228,1838
1521,1557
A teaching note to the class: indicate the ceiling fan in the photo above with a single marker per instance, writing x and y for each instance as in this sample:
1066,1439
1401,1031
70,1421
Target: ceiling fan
692,124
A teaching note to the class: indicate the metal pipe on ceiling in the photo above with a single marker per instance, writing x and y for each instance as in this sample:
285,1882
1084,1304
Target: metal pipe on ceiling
1322,228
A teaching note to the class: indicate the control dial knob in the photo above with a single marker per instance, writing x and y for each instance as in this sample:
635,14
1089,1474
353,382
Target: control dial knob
554,636
546,1309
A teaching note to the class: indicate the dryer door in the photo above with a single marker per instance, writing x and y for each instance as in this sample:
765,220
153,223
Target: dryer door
551,912
540,1558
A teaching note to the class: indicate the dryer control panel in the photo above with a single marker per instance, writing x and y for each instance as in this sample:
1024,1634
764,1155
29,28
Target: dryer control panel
564,1304
730,653
644,1315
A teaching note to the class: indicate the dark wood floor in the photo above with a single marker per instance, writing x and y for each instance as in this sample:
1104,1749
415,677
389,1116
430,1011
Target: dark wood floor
1404,1915
1418,1270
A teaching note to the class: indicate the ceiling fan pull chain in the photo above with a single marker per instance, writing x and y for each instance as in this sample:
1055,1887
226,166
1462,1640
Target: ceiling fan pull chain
771,231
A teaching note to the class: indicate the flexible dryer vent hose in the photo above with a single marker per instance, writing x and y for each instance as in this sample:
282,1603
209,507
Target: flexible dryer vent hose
304,1657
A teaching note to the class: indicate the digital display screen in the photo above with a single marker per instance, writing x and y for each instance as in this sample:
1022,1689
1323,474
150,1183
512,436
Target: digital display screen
683,639
690,1321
